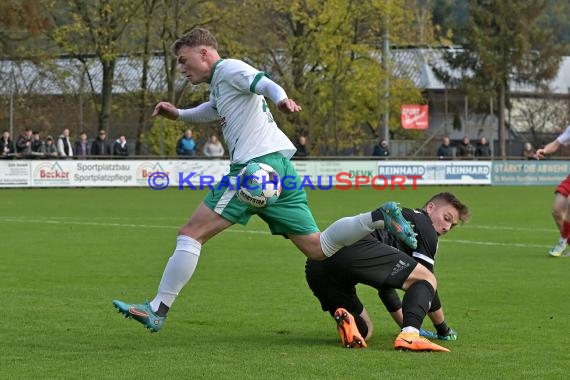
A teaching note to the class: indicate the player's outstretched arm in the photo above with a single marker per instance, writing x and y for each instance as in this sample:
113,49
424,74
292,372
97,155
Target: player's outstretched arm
288,106
277,94
550,148
166,109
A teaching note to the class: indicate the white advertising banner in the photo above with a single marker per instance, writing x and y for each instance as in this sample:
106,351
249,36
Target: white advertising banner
14,173
439,172
198,174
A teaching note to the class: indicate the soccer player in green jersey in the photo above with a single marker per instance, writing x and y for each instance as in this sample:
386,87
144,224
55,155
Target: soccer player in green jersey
238,95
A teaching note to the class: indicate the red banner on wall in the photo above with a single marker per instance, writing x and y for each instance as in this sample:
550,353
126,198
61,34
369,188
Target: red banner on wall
414,116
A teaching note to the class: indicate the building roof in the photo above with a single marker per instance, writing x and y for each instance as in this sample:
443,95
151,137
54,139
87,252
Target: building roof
417,64
69,75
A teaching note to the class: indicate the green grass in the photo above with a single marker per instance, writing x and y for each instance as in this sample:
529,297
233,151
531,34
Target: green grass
247,313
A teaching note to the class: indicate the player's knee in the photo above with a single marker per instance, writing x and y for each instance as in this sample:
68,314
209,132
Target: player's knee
431,279
185,230
421,273
316,255
557,212
188,230
310,245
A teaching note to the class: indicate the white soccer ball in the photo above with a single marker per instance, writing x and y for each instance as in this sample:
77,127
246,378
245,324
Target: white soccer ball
260,185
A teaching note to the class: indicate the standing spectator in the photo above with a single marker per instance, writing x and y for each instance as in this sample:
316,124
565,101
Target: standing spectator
120,147
483,148
213,147
81,148
381,149
444,152
24,143
466,150
301,145
528,152
64,147
6,145
186,145
49,149
37,143
100,146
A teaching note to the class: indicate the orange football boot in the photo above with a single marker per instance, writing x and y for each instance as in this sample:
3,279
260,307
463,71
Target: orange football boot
349,335
411,341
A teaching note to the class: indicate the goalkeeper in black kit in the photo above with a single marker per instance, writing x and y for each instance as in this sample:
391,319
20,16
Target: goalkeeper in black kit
382,261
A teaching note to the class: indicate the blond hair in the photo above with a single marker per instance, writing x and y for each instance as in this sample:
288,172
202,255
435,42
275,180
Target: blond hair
195,37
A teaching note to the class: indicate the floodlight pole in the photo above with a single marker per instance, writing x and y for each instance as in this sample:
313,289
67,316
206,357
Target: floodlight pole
385,132
162,137
11,111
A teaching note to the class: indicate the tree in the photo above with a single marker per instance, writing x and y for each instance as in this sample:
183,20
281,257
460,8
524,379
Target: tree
147,9
163,21
180,16
99,27
21,26
325,54
504,46
538,115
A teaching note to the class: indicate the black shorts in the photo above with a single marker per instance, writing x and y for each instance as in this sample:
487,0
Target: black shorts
368,262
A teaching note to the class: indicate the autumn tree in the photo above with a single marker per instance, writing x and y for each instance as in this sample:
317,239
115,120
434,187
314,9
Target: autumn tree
22,25
168,21
326,54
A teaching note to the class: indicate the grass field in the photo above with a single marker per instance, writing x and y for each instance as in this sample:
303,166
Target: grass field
247,313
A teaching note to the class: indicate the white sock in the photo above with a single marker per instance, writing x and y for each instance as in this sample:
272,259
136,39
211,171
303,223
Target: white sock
347,231
410,329
178,271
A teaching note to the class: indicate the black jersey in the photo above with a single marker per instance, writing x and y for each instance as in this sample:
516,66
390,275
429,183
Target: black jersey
426,236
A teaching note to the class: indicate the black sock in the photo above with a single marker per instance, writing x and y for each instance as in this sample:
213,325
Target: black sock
162,310
416,303
361,325
442,329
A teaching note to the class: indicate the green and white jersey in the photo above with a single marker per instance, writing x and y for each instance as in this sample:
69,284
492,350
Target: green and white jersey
247,124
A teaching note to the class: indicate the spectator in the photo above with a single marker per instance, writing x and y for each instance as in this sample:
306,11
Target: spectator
6,145
483,148
100,146
466,150
444,152
24,143
81,148
120,147
49,149
37,143
301,145
186,145
64,148
528,152
381,149
213,147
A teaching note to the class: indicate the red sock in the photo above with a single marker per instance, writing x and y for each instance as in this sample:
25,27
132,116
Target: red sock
566,230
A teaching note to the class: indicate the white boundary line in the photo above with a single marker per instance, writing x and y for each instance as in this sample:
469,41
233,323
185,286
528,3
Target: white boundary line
75,221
